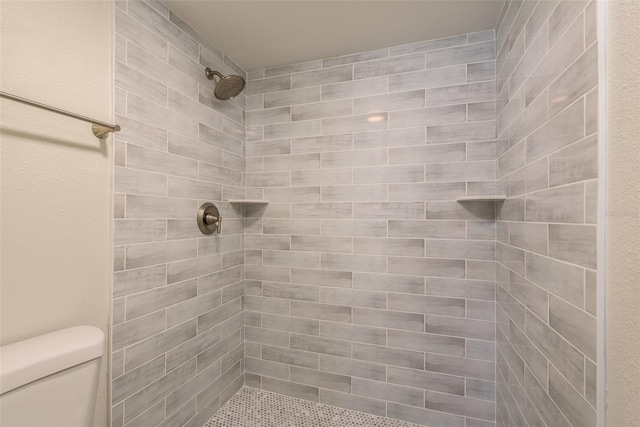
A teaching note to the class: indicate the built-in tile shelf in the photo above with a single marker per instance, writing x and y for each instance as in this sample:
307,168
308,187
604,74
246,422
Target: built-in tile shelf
481,199
249,201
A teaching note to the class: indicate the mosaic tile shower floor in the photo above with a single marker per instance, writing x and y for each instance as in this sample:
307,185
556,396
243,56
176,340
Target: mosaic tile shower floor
251,407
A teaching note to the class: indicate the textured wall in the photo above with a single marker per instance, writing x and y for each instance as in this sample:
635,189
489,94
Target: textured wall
548,167
368,286
623,214
177,314
55,174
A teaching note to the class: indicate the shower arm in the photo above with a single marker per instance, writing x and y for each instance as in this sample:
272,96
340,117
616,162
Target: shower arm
210,73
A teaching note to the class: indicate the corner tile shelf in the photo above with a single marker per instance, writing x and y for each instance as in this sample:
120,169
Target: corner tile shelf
249,201
481,199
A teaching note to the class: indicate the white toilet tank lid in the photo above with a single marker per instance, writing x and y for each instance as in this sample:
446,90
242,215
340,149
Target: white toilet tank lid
29,360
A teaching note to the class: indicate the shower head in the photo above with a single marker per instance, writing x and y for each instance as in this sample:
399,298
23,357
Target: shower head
227,87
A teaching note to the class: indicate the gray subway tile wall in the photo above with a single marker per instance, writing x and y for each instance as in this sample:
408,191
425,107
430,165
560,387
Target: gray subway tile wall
547,162
364,288
178,322
363,283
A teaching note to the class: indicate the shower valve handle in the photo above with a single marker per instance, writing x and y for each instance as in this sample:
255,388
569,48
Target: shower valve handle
209,219
212,219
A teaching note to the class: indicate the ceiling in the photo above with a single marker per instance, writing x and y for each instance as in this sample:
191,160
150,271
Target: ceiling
266,34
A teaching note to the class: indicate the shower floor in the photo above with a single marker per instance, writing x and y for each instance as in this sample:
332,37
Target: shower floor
251,407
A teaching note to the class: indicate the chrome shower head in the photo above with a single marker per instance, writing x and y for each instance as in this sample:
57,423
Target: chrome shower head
227,87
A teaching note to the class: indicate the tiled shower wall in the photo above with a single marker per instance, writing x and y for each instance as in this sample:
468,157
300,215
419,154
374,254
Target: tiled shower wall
177,315
368,286
548,167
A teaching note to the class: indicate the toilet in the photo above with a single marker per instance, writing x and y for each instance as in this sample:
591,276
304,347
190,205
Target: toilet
51,380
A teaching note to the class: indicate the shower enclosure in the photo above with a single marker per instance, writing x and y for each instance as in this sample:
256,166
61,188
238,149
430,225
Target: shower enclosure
408,232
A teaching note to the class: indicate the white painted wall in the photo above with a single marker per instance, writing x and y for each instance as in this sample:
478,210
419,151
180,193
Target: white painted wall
623,213
56,176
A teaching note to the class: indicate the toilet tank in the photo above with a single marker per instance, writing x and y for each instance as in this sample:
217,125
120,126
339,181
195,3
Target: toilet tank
51,380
